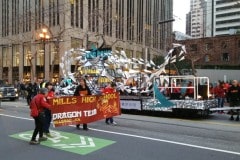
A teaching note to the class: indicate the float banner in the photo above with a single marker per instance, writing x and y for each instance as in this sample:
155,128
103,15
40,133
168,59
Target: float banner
71,110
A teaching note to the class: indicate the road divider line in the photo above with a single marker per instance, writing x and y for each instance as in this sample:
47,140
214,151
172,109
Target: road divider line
147,138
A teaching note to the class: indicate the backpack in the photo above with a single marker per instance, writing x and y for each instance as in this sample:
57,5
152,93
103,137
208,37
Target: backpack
33,108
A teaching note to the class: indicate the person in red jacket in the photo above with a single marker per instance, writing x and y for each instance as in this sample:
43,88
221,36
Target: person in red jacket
40,101
189,90
220,94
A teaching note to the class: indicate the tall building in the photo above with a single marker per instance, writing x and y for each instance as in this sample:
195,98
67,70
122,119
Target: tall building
197,18
36,34
223,17
188,23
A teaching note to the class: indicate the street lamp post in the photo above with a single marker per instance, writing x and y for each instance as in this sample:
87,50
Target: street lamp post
44,37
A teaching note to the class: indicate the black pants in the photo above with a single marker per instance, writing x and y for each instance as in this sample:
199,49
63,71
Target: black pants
109,119
47,122
234,104
84,126
39,121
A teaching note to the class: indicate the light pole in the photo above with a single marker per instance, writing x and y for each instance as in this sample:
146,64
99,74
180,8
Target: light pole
44,37
170,56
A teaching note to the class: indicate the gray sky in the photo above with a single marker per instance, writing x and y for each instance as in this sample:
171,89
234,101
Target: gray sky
180,9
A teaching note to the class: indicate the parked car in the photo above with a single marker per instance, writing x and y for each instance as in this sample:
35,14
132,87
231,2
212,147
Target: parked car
8,92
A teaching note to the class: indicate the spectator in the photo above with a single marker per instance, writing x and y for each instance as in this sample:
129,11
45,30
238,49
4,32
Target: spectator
29,90
190,90
234,95
220,95
22,88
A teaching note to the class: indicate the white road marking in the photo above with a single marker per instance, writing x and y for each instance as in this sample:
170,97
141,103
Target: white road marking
147,138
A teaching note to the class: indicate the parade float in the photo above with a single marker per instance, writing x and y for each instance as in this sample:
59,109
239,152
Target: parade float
142,90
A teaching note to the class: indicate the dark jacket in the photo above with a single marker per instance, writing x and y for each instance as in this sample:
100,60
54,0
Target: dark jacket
234,93
80,88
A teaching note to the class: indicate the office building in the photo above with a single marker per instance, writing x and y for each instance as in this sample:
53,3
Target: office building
223,17
195,19
36,34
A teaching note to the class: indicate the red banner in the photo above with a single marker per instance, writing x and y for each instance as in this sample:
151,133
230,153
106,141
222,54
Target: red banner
71,110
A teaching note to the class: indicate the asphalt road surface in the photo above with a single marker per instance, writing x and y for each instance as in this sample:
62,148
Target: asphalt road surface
133,138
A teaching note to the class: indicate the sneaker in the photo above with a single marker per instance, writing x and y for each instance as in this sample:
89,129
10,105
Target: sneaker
107,122
85,128
48,135
231,118
42,139
33,142
114,123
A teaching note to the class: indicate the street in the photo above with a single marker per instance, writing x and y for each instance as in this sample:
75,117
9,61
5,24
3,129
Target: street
135,137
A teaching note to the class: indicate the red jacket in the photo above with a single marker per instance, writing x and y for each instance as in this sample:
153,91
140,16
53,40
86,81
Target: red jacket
50,94
41,102
108,90
219,92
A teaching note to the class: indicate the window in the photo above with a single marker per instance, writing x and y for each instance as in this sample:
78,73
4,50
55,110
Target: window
72,14
209,46
5,18
225,57
39,13
15,56
15,17
119,19
130,20
5,57
193,47
224,45
54,12
207,58
107,18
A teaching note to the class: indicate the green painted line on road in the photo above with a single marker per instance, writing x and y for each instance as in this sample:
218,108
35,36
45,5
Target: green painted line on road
69,142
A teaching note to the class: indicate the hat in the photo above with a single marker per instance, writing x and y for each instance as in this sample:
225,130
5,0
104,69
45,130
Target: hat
43,90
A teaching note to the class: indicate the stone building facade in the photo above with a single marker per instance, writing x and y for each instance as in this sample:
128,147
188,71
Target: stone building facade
27,52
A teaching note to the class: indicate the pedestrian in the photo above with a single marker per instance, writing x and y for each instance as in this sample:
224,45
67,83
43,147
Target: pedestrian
82,90
29,90
219,93
110,88
35,89
40,102
48,115
234,95
190,90
22,89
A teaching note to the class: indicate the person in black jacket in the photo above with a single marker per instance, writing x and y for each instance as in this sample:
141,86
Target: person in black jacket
82,90
29,90
234,98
